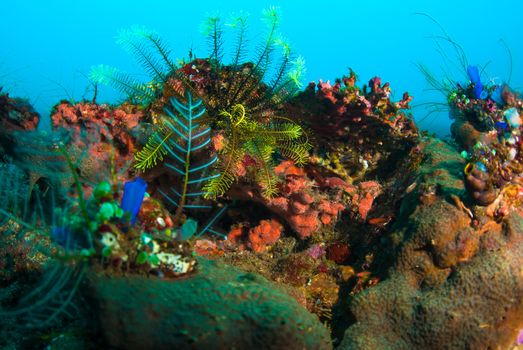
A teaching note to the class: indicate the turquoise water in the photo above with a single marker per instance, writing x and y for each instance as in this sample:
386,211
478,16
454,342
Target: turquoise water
48,47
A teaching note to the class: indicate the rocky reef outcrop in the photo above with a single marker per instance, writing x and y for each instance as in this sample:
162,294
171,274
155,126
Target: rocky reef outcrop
217,307
456,280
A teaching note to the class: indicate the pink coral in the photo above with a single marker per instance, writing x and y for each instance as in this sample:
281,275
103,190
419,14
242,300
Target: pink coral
265,234
258,238
104,132
302,203
329,211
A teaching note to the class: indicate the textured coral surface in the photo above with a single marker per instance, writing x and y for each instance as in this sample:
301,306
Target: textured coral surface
453,285
219,307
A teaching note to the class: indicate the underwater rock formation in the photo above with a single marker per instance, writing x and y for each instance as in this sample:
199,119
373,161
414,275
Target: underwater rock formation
356,130
16,114
456,280
106,136
219,307
488,126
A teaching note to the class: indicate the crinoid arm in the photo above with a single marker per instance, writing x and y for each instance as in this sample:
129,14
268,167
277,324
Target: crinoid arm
155,150
187,150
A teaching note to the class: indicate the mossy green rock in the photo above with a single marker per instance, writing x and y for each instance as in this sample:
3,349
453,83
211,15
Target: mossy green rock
219,307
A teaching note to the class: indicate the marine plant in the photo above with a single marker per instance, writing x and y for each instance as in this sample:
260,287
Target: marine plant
487,127
221,85
456,68
260,83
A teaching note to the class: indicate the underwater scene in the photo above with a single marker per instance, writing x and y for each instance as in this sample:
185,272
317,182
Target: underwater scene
264,175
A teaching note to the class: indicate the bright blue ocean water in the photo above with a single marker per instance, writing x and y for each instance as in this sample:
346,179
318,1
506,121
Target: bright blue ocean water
48,47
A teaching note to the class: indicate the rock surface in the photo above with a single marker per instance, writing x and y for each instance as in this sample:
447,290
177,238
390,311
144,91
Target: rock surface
219,307
457,281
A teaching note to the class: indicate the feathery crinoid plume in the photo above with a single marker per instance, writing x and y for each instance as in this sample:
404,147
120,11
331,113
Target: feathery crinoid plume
183,139
155,149
260,82
151,53
260,142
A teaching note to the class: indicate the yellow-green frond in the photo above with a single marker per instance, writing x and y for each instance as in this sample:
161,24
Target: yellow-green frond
262,154
284,45
102,74
298,71
228,164
282,131
297,151
127,35
154,150
106,75
237,115
237,20
218,186
231,156
271,16
210,22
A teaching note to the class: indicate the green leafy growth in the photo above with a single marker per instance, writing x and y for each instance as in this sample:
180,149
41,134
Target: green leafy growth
260,141
453,60
155,150
125,83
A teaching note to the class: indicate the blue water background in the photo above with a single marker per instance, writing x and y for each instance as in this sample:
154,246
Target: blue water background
48,47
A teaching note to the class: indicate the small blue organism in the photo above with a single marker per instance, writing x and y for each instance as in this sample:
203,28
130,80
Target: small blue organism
474,76
133,194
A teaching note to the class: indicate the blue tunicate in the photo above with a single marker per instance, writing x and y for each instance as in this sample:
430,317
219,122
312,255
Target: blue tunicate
133,193
481,166
496,95
474,76
501,125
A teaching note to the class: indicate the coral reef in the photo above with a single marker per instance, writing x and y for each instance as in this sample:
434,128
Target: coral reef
220,206
361,129
106,138
487,125
16,114
258,238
